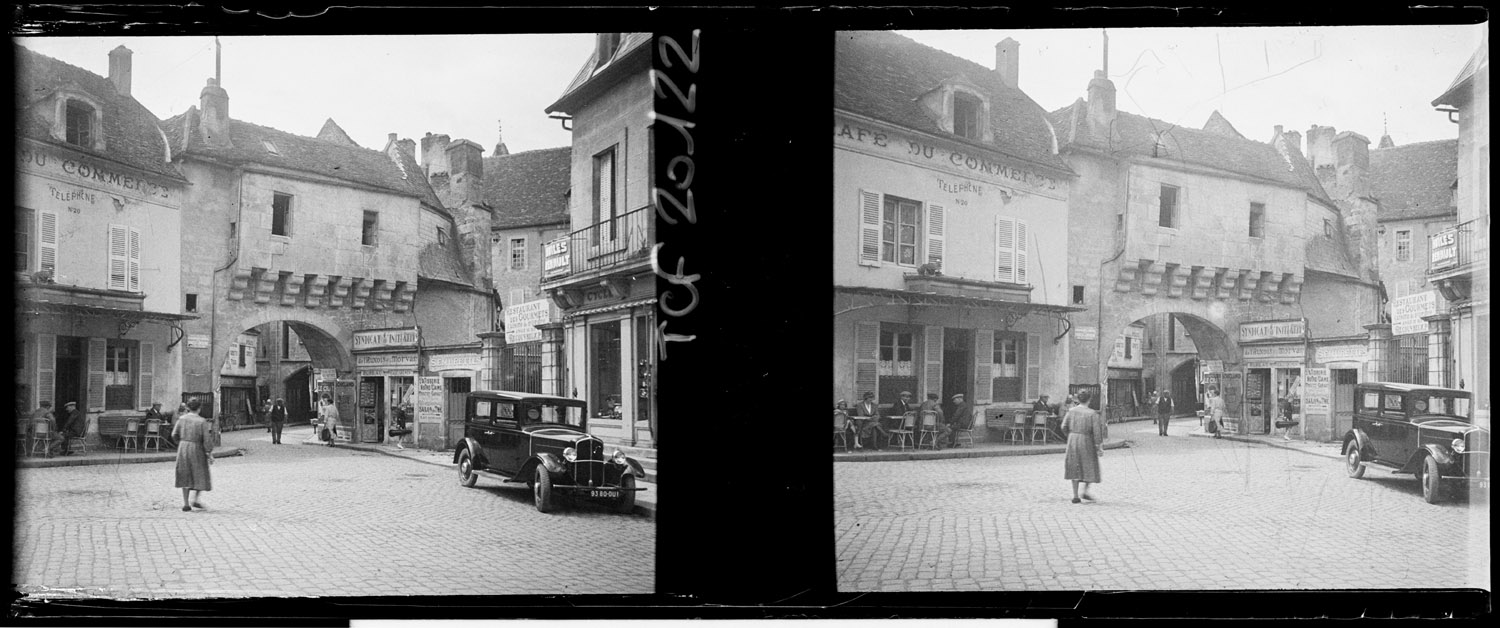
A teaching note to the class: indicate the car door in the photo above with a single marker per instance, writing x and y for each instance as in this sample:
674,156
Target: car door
482,429
1389,429
510,441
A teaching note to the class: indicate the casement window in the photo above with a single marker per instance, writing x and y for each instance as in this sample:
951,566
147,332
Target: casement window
604,211
124,258
900,231
897,354
119,374
1403,245
1257,220
281,214
966,111
369,228
1015,370
1011,255
518,253
1167,217
1077,295
79,123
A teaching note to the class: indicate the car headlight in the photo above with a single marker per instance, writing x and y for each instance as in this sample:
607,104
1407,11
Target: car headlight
1458,445
618,457
570,454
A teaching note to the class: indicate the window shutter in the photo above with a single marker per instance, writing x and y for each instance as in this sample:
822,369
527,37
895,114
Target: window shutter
984,357
135,260
866,358
118,256
46,367
146,358
1005,249
869,228
933,366
1033,366
1020,247
935,229
47,238
97,347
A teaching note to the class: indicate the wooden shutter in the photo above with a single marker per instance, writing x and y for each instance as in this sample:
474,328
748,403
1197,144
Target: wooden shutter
869,228
1005,249
135,260
119,257
984,357
147,361
866,358
1020,248
932,368
936,217
47,240
97,348
46,367
1033,366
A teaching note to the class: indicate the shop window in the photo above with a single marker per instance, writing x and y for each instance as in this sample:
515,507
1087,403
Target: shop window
281,214
1006,369
604,359
369,228
900,223
966,111
1168,214
897,354
1257,220
80,123
1403,245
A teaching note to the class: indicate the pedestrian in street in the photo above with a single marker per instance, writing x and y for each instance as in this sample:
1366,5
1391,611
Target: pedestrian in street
398,425
1215,412
1086,434
194,454
1163,411
277,416
961,419
329,414
869,413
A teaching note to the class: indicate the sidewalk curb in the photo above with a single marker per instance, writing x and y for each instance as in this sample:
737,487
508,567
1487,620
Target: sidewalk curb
122,458
986,452
1269,443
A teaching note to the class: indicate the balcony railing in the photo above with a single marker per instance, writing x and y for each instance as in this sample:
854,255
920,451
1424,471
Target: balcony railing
1452,249
622,239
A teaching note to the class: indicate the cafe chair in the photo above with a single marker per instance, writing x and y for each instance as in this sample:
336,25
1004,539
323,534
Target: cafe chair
1036,427
128,439
905,433
153,435
929,428
22,436
41,437
77,445
964,431
839,432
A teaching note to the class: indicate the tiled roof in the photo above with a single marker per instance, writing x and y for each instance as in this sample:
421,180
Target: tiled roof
1455,93
629,42
1414,180
528,188
1136,135
441,261
1330,255
1217,123
884,75
297,152
132,134
332,132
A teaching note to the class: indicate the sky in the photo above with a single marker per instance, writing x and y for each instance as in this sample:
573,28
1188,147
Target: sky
1364,79
464,86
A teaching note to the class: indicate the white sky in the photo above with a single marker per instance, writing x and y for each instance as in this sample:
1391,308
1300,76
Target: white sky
1354,78
370,85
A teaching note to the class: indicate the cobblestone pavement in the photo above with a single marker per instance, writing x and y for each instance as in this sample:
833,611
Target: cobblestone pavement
299,520
1172,513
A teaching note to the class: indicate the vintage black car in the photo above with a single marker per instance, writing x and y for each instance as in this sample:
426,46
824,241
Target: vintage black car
1425,430
543,441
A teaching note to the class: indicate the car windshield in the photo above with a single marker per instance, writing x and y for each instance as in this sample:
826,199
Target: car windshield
554,412
1449,405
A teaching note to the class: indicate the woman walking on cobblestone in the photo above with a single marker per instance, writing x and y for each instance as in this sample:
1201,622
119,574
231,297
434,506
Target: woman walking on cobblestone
1086,433
194,446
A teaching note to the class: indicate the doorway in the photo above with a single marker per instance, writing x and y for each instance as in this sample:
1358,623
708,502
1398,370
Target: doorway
1185,387
1257,409
70,375
1343,400
455,391
958,366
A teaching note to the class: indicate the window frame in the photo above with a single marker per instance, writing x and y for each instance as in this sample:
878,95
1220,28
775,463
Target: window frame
1403,245
971,128
369,231
598,205
1257,220
442,236
998,354
1166,213
129,373
24,232
513,250
88,112
892,205
286,214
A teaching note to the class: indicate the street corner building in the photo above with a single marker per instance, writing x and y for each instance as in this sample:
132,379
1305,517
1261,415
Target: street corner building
951,232
98,209
599,273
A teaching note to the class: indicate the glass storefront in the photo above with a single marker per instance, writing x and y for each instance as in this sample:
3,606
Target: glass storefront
604,376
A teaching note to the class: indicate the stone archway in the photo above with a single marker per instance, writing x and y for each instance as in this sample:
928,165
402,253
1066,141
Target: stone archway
327,342
1211,339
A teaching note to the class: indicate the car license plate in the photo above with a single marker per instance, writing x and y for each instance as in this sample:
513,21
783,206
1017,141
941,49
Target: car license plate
604,494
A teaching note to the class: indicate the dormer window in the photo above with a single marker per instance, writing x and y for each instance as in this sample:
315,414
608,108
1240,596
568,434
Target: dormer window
607,43
270,148
79,123
966,109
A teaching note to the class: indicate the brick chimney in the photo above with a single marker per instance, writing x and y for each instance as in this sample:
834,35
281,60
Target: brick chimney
119,69
213,103
435,155
465,172
1101,101
1008,61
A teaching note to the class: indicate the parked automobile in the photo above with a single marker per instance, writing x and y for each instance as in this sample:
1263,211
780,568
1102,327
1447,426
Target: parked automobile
1424,430
543,441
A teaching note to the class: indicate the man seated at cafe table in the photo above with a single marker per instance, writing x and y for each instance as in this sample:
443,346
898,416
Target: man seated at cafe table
868,413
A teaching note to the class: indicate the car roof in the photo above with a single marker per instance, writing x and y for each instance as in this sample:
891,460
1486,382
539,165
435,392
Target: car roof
1403,387
510,395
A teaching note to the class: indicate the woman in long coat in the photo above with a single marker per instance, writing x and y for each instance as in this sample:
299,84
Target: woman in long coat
1086,433
194,444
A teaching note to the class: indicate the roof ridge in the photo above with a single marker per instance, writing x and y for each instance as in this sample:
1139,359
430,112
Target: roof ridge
534,150
1413,144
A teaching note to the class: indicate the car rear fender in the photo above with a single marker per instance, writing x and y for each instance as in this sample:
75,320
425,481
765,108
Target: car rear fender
473,448
1438,453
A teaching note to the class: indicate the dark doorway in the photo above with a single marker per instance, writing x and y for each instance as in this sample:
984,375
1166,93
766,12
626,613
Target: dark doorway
1185,387
958,365
297,395
1343,400
70,375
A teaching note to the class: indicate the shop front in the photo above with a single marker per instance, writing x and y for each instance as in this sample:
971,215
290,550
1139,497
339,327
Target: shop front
386,369
439,406
1274,354
1343,362
611,343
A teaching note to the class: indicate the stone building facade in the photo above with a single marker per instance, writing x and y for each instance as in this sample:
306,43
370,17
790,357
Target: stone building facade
98,206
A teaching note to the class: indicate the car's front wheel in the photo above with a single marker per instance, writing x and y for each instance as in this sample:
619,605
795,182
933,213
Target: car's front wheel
1432,480
466,475
1353,465
541,489
626,505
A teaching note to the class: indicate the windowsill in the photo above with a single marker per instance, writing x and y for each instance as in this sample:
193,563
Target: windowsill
280,238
